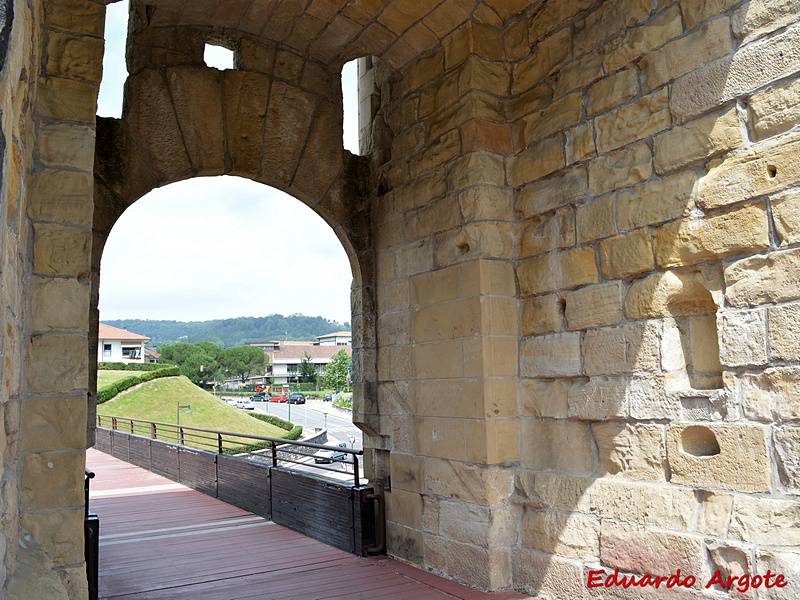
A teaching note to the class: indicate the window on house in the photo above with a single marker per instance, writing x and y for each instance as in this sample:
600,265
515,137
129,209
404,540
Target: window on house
131,352
106,349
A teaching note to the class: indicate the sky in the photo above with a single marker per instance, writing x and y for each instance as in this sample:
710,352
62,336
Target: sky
218,247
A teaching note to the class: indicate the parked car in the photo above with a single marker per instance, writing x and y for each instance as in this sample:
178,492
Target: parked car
326,456
245,404
260,396
328,398
278,398
297,398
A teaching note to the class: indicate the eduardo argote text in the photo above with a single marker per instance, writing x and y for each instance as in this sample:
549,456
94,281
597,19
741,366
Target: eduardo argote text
601,578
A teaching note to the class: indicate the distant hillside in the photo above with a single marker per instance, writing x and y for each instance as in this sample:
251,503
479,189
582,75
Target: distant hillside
231,332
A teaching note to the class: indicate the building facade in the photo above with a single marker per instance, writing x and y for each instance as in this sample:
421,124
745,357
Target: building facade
575,246
120,345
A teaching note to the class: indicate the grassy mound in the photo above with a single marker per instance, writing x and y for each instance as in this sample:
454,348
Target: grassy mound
158,400
106,377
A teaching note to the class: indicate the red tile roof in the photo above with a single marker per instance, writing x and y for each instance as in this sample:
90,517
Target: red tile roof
107,332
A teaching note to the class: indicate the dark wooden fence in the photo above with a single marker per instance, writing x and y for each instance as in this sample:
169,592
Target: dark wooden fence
344,515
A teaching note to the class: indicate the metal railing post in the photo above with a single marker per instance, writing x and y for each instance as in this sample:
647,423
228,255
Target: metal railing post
153,431
219,443
355,470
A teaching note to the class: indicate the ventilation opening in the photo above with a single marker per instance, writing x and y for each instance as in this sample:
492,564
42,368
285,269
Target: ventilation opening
699,441
219,57
109,100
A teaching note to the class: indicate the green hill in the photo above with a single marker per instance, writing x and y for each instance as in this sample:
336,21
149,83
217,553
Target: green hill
157,400
231,332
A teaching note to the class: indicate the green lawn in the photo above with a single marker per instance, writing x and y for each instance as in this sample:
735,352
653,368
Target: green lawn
106,377
157,400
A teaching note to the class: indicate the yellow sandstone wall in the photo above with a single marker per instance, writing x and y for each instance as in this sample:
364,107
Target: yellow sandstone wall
588,354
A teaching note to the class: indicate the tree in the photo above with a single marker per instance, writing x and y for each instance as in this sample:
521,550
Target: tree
243,361
200,368
337,370
307,371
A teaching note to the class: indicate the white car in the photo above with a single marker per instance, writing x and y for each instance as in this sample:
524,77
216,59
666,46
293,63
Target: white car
245,405
326,456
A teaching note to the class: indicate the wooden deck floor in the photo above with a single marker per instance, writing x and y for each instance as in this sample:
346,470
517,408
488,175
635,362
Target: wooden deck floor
161,540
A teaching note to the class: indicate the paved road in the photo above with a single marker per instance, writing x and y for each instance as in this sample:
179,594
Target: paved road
316,413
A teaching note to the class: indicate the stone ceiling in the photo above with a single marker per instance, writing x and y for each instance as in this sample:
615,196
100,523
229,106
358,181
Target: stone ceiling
335,31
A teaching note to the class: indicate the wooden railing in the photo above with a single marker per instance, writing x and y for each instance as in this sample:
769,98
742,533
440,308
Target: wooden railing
232,443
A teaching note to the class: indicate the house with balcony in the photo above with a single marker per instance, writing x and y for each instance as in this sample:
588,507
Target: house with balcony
120,345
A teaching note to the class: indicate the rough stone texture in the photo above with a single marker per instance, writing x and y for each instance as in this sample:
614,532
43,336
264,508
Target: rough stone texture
786,562
538,235
741,461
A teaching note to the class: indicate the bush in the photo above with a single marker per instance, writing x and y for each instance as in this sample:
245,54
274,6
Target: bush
273,420
107,392
121,366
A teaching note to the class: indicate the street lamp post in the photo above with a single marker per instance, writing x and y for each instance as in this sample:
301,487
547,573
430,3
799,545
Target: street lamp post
180,407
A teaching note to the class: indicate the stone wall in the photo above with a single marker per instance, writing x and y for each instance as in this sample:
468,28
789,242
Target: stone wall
594,200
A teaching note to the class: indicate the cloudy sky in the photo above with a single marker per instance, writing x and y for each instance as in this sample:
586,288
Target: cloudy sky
221,247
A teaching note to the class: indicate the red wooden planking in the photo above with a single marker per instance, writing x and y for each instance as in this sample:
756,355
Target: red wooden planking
241,562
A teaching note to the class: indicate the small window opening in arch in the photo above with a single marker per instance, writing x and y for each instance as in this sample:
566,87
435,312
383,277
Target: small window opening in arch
109,100
351,104
219,57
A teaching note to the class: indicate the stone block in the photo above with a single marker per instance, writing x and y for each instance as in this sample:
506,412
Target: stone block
544,398
404,508
482,526
632,450
546,233
551,355
656,201
714,513
551,490
395,330
663,506
484,203
438,360
624,50
476,168
755,170
547,575
729,559
439,216
751,67
59,304
598,399
606,21
441,437
674,293
406,542
786,216
626,255
494,441
695,240
66,99
725,456
541,314
74,56
57,195
784,332
571,535
566,188
57,364
704,343
773,277
635,121
770,394
698,139
622,349
488,568
52,480
488,239
638,549
596,220
579,144
556,446
785,562
621,168
55,531
774,110
765,521
535,162
54,423
558,116
485,135
695,13
743,337
612,91
578,74
709,42
67,145
546,56
471,483
414,258
593,306
557,270
656,396
786,440
760,17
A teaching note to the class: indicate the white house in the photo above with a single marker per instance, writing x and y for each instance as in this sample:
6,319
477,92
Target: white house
120,345
339,338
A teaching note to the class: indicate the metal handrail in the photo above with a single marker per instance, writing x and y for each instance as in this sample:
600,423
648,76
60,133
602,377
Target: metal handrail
214,440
